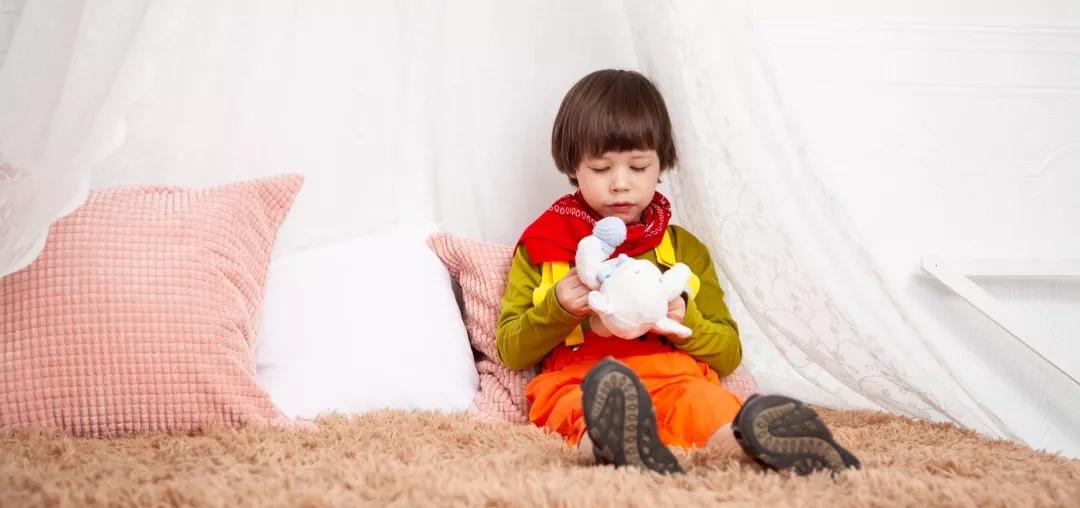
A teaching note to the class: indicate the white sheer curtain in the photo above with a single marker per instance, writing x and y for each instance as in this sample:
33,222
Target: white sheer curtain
419,111
396,111
39,135
748,187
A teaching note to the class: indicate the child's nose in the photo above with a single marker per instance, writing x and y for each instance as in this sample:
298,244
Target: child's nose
621,180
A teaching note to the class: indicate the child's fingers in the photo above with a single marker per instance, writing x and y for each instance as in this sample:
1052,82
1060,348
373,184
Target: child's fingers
575,287
573,294
573,279
579,309
580,303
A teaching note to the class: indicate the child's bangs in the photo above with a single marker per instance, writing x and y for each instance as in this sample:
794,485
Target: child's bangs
621,130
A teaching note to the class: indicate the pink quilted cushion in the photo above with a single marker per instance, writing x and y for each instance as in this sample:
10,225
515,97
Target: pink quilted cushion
481,269
140,313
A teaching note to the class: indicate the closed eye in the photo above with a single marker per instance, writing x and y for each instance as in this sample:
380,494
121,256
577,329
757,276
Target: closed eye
599,170
639,169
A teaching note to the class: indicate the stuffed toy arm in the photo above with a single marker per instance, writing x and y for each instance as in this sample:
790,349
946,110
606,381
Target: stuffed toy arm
674,282
670,327
593,269
589,259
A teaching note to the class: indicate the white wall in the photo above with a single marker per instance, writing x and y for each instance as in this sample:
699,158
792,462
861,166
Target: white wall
953,128
9,14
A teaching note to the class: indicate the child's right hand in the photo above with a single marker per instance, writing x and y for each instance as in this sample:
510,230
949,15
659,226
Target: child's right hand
573,294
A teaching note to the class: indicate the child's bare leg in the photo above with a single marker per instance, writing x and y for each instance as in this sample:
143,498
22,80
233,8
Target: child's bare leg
585,448
724,439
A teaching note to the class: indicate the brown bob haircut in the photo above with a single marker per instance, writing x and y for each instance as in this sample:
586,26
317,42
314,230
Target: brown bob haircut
611,111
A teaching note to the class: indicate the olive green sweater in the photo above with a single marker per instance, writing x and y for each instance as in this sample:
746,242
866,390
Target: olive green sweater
527,333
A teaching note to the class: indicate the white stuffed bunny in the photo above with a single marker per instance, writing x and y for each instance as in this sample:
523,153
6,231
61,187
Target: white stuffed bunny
629,295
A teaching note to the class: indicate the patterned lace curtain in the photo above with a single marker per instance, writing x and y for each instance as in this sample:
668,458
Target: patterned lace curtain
747,187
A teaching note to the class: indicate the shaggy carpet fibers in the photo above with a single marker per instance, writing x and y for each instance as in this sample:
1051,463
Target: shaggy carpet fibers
422,459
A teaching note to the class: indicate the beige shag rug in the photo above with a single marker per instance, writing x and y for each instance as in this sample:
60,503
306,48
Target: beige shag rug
425,459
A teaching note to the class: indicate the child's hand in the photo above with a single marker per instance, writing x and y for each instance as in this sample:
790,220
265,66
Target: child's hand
573,294
676,309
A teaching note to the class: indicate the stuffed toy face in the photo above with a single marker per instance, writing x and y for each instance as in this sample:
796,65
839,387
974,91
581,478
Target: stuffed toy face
634,299
630,296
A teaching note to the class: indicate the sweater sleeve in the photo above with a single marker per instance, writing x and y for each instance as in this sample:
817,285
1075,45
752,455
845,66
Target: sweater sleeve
527,332
715,338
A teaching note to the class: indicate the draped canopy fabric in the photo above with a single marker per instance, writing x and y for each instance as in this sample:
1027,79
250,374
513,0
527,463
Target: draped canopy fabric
403,112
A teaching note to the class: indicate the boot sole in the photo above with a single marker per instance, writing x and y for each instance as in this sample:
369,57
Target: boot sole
781,433
621,421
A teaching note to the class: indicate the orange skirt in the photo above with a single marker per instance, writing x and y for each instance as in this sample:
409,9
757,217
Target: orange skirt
690,403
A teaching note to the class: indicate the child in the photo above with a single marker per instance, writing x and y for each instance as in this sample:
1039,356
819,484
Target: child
612,138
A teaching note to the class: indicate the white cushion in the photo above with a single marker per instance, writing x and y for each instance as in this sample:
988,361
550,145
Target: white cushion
364,324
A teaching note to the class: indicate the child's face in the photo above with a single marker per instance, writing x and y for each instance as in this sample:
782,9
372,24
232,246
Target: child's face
619,184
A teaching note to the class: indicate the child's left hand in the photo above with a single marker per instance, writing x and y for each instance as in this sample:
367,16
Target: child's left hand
676,309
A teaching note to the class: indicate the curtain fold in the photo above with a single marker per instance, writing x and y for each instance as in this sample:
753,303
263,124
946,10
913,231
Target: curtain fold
747,185
397,112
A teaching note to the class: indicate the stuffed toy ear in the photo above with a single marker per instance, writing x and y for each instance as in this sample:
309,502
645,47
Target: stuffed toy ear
675,281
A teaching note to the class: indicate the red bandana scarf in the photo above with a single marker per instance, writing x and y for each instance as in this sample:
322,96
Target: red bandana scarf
555,234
